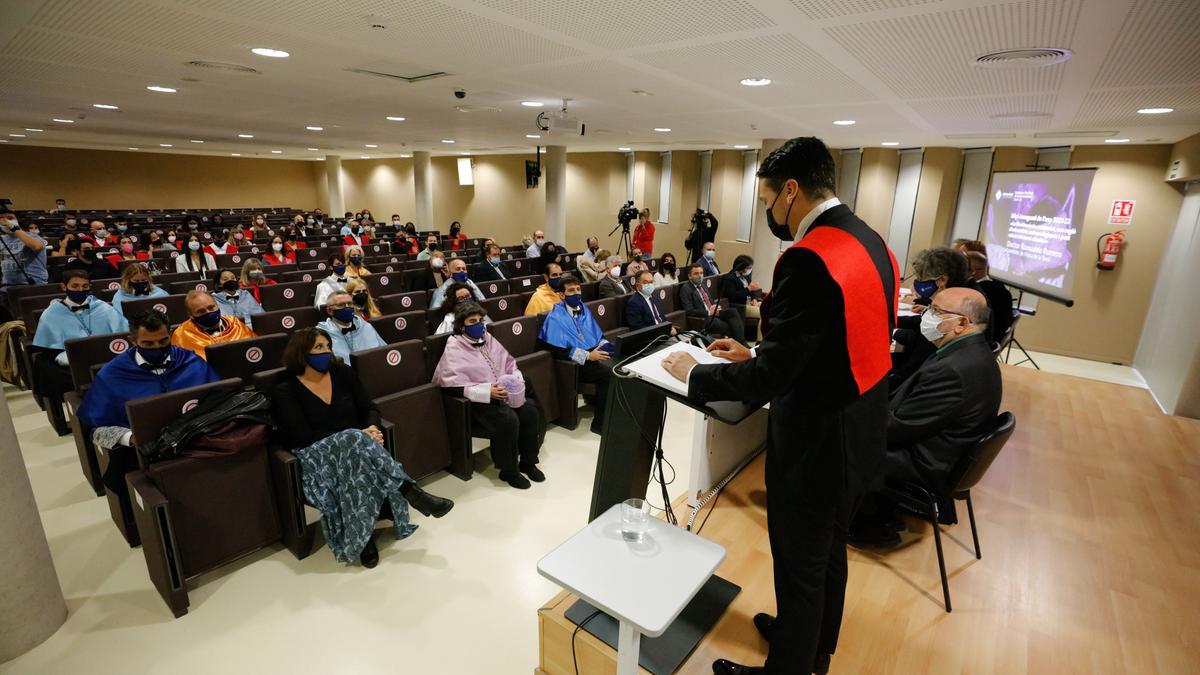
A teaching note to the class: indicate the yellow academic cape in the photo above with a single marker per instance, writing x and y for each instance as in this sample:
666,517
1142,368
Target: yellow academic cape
543,299
189,336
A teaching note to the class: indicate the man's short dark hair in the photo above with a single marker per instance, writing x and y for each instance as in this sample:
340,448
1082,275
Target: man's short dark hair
970,245
805,160
645,272
149,320
491,246
694,266
568,280
546,270
75,273
932,263
335,257
741,262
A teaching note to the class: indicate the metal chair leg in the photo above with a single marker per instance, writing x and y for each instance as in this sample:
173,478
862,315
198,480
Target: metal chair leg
937,540
974,533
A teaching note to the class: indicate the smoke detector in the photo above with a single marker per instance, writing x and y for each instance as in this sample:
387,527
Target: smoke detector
1037,56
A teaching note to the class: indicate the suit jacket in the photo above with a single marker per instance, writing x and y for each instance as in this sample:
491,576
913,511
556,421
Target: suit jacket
638,312
1000,301
484,271
612,288
945,407
710,266
693,304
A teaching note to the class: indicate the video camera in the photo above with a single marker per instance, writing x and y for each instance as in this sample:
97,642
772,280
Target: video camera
627,214
700,218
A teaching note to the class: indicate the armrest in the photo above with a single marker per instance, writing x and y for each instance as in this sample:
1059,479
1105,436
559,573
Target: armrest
458,429
389,435
151,512
289,498
566,374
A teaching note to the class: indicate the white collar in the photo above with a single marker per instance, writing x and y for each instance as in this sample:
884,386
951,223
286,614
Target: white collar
816,211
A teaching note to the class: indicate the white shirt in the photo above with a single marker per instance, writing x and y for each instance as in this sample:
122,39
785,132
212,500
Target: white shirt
812,215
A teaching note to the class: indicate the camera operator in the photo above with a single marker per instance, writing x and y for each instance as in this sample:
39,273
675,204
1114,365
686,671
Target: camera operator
704,231
22,255
643,234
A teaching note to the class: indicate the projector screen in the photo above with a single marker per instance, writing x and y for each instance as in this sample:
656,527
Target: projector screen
1031,229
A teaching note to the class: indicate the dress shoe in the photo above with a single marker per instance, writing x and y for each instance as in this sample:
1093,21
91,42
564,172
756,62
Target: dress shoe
370,555
873,537
821,664
723,667
515,479
535,474
765,623
428,504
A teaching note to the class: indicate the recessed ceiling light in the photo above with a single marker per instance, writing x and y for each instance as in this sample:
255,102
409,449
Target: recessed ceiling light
464,153
314,149
662,129
133,148
276,152
532,136
30,129
56,119
196,141
532,104
161,90
245,135
1116,140
235,154
405,156
364,157
756,81
394,118
370,145
3,140
843,123
623,149
741,147
315,128
890,143
17,135
273,53
165,145
447,140
104,106
1155,111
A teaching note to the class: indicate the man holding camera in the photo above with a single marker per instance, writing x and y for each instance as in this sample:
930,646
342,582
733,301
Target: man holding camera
23,255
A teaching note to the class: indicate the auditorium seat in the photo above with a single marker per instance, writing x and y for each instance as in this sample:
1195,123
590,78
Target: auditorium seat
422,443
400,327
504,307
291,295
184,287
173,306
391,368
286,320
492,289
83,355
241,359
384,284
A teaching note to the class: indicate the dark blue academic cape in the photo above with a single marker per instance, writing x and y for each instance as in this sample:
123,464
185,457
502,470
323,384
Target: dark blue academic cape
122,380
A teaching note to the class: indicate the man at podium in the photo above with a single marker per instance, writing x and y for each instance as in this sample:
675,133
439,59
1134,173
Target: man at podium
823,359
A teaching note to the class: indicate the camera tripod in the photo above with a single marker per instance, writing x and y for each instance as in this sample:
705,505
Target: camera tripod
624,243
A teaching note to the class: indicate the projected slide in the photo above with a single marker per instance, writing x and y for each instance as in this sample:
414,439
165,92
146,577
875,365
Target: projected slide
1031,229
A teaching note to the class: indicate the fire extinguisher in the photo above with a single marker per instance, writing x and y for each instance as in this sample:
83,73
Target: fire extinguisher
1107,259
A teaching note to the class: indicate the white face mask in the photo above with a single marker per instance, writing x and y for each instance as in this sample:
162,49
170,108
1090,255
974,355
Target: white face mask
929,326
540,241
437,263
10,222
277,246
616,271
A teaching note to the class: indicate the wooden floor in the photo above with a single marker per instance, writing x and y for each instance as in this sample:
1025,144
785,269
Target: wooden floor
1089,524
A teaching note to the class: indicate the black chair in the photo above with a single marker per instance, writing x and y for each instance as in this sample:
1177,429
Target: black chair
243,358
400,327
384,284
391,368
174,306
286,320
402,302
504,307
287,296
923,502
492,289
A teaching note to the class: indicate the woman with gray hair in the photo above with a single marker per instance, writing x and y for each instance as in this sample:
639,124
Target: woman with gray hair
611,285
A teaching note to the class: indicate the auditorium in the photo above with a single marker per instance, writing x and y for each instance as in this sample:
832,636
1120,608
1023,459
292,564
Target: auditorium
496,337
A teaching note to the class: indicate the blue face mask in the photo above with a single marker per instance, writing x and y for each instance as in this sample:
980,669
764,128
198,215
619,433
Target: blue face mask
339,270
575,301
140,287
356,260
210,320
475,331
495,260
647,289
925,289
460,277
78,297
345,314
710,254
154,355
555,283
319,362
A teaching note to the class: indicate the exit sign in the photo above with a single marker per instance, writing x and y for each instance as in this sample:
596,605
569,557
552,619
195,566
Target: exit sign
1121,213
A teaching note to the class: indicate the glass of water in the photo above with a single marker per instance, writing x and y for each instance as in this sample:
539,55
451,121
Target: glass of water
635,519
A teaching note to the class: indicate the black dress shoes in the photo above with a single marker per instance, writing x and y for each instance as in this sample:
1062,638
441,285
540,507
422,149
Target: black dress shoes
535,474
876,536
764,623
723,667
426,503
370,555
515,479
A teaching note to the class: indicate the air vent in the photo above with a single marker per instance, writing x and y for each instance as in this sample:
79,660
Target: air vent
220,65
402,78
1020,115
963,137
1074,134
1024,57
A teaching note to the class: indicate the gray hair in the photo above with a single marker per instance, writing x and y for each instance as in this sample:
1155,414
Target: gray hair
932,263
976,311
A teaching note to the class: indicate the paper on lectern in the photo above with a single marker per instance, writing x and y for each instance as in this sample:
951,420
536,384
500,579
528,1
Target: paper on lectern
649,367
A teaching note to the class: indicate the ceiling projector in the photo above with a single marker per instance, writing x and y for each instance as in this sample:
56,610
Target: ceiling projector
561,122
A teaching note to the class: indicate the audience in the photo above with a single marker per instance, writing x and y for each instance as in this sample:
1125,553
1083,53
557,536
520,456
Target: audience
611,285
477,367
708,260
100,235
740,289
233,239
644,309
667,272
434,275
348,332
364,302
192,259
593,269
492,268
23,256
458,274
254,277
336,281
280,253
354,263
235,300
940,412
431,245
643,233
324,417
534,250
636,262
593,245
571,333
90,262
999,298
548,255
548,294
457,295
207,326
136,284
457,238
698,303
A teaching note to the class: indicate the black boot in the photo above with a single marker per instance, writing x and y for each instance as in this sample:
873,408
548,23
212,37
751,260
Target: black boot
515,479
724,667
765,623
370,554
535,474
426,503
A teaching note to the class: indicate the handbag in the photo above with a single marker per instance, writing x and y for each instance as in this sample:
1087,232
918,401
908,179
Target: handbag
228,440
213,414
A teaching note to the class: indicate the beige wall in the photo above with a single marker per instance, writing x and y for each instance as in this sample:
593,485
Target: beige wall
384,186
877,188
101,179
937,194
1187,153
595,190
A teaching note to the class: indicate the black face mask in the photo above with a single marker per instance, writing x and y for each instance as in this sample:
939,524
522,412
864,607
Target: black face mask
360,299
780,230
230,286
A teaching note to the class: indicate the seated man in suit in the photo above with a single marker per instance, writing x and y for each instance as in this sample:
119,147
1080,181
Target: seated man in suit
697,302
492,268
611,285
643,309
708,260
940,412
999,299
206,326
457,267
571,333
548,294
151,367
348,332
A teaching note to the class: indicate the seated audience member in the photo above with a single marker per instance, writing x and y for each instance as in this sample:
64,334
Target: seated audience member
292,242
483,250
348,332
611,285
258,228
571,333
190,224
23,244
548,294
280,253
533,250
636,262
999,298
458,240
154,241
336,281
193,259
477,367
254,277
101,236
68,245
708,260
152,367
967,245
396,224
492,268
549,255
233,238
740,289
235,300
434,275
405,244
136,284
593,246
643,309
431,245
324,417
593,269
668,272
457,295
90,262
76,316
207,326
458,275
698,303
364,302
354,263
357,234
939,413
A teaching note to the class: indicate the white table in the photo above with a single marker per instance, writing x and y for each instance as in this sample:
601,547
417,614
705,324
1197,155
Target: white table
643,585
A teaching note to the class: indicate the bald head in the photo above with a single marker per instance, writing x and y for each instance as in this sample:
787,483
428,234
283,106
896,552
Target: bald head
962,311
199,303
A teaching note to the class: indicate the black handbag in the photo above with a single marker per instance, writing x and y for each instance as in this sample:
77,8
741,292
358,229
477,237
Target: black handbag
214,413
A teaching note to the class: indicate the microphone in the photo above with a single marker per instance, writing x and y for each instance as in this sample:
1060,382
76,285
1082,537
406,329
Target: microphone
716,303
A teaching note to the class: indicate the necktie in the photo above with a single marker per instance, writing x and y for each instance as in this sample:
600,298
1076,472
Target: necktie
704,295
653,310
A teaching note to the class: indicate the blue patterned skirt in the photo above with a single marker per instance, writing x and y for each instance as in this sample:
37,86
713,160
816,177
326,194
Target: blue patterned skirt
347,476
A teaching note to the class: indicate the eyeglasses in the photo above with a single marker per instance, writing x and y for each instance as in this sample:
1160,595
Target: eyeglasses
941,310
